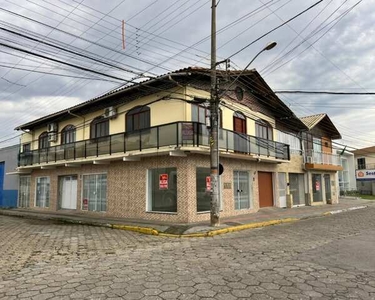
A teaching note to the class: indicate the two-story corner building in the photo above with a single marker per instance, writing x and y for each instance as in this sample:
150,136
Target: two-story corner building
321,162
142,151
365,170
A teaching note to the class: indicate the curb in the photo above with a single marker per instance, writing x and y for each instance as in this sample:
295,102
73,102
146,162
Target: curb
334,212
211,233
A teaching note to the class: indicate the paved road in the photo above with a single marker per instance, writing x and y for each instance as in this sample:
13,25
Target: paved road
321,258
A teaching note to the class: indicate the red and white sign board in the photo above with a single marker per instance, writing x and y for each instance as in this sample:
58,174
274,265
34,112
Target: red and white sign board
317,186
163,181
208,183
85,204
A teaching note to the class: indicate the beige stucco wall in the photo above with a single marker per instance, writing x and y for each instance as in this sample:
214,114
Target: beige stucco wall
230,108
165,111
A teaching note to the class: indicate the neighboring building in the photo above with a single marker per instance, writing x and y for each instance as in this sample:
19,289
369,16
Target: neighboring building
321,162
142,151
346,177
8,184
365,170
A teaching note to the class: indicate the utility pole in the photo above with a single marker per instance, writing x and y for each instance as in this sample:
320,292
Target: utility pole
214,143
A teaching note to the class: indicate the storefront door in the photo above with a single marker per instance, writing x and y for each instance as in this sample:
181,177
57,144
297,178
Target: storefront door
24,191
317,187
265,189
327,185
282,189
297,188
241,190
68,192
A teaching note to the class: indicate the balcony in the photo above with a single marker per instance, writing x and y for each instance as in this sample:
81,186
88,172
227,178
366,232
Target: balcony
365,166
185,136
322,161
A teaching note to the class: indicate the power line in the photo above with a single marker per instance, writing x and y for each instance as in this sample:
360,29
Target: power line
277,27
322,92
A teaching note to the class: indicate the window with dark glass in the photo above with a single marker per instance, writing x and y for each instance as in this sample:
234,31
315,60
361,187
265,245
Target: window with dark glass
138,118
99,127
263,130
203,184
26,147
361,162
308,141
43,140
162,190
68,135
199,113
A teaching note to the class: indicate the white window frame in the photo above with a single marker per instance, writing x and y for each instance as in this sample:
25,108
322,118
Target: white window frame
36,189
251,196
80,177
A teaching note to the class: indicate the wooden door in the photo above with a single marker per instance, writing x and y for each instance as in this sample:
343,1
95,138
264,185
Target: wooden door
265,189
240,140
239,125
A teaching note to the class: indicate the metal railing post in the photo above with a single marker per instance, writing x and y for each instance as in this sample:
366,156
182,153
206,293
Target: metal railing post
157,137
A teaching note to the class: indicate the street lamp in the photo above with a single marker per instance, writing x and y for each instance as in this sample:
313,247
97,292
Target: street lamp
269,46
214,108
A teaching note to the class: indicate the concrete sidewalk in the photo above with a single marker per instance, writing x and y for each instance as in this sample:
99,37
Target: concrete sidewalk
265,217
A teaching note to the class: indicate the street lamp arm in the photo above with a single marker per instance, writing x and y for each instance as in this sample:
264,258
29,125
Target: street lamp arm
268,47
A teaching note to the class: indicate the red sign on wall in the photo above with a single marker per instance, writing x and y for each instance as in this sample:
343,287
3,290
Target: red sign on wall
317,186
208,183
163,181
85,204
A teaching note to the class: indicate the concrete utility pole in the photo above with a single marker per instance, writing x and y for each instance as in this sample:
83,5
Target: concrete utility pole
214,143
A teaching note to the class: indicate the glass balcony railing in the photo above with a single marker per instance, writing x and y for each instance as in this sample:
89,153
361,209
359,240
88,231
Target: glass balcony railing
313,157
177,134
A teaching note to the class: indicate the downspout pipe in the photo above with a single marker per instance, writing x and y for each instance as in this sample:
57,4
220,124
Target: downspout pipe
84,122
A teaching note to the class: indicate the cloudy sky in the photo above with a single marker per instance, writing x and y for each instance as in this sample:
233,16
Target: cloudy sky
329,48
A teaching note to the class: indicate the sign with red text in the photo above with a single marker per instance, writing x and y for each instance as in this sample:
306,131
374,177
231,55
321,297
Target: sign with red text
163,181
317,186
208,183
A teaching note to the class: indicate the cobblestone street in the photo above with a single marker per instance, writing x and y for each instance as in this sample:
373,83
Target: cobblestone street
321,258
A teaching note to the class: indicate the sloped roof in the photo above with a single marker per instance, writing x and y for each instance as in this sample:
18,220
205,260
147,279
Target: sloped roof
185,76
325,122
311,121
365,151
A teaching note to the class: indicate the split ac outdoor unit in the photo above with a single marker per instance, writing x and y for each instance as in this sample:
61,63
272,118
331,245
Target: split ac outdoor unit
52,132
52,127
309,159
52,136
110,112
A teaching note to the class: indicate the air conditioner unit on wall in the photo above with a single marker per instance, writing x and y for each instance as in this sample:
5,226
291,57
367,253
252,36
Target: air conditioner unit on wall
110,112
52,127
309,159
52,136
52,132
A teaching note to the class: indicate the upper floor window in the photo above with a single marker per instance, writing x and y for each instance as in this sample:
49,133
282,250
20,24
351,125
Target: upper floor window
26,147
43,140
99,127
138,118
68,135
239,122
263,129
199,114
361,163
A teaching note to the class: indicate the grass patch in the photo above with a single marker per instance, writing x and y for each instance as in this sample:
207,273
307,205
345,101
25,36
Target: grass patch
367,197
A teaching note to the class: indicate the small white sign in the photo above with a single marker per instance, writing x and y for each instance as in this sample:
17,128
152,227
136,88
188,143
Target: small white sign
365,174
